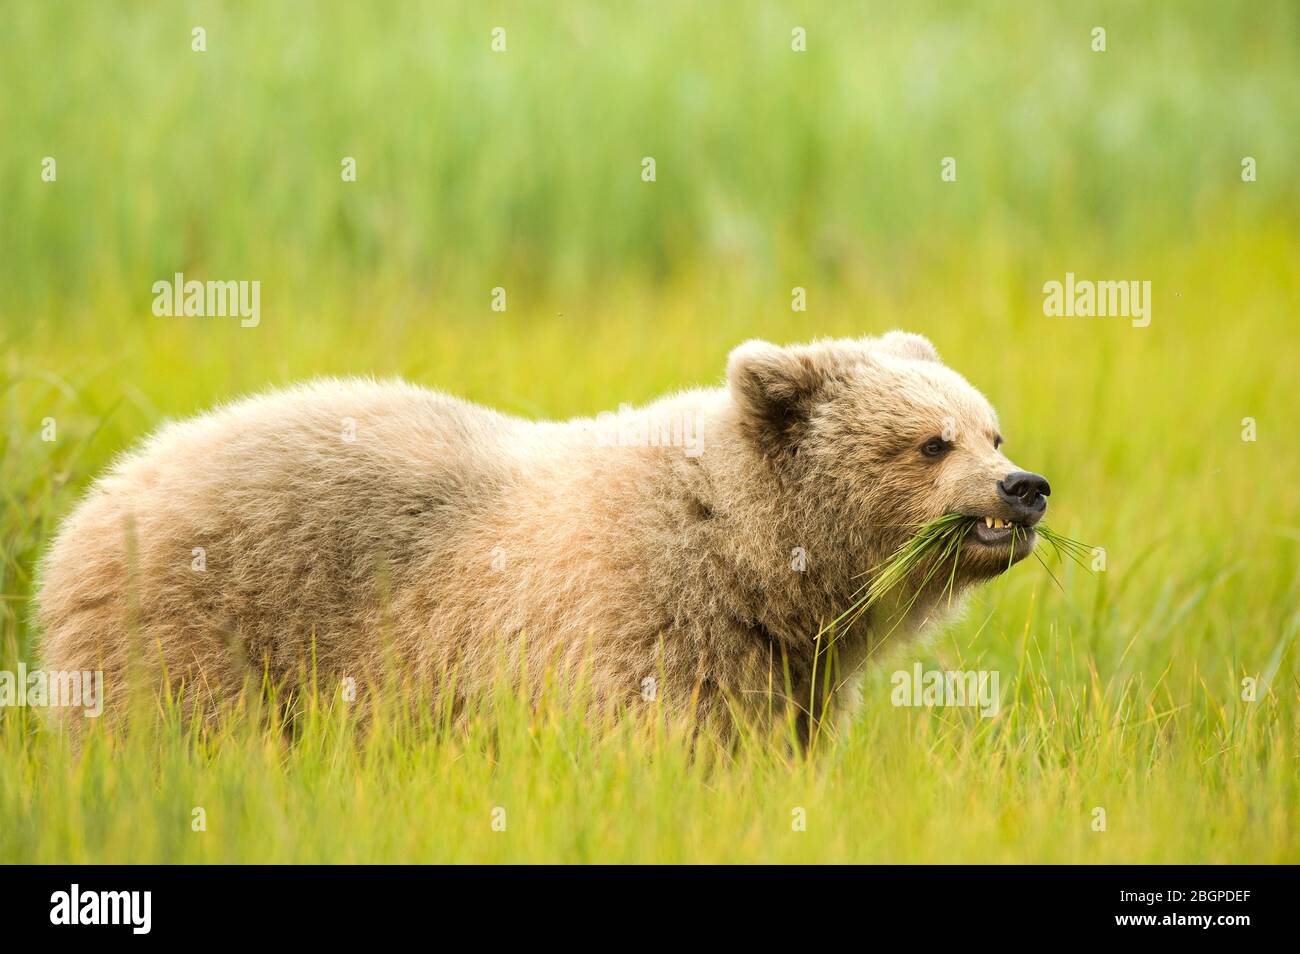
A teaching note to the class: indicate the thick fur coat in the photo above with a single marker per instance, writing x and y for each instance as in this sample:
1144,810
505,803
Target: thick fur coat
688,552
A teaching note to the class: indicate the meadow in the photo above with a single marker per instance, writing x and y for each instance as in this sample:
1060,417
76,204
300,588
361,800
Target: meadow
1164,689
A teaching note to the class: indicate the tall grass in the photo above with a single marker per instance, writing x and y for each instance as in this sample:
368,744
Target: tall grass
1179,778
1123,689
523,168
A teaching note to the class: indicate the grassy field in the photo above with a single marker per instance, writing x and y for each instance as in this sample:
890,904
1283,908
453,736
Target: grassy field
820,169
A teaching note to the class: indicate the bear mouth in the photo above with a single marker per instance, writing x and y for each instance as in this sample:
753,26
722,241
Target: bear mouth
997,532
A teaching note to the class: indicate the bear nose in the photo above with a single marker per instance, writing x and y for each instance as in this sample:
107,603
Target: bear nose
1025,493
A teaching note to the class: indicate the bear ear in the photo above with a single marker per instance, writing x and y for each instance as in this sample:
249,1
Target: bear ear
905,344
775,389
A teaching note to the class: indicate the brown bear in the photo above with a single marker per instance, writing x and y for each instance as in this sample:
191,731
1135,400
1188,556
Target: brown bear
692,551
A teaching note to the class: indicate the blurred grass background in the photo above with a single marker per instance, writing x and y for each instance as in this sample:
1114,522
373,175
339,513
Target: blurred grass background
775,169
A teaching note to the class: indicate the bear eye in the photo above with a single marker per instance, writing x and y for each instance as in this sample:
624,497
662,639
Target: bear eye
936,447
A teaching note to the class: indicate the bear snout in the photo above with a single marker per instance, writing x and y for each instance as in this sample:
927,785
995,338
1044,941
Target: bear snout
1026,494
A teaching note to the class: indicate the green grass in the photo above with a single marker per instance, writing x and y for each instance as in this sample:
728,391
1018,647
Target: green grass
932,554
1121,689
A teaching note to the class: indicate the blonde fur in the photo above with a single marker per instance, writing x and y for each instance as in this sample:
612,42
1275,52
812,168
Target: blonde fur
351,526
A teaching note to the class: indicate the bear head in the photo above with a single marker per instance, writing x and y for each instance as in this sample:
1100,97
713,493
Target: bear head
874,437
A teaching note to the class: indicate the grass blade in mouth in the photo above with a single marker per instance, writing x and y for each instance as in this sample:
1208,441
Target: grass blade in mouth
1074,549
940,538
937,542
